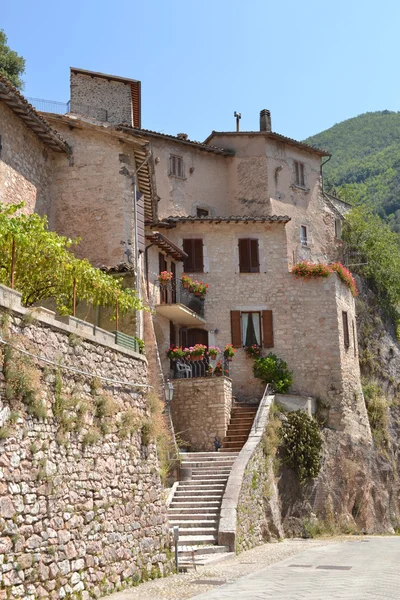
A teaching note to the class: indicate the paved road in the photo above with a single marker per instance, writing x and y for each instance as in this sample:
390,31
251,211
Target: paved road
372,572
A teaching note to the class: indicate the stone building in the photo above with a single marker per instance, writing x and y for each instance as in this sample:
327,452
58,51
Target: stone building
236,212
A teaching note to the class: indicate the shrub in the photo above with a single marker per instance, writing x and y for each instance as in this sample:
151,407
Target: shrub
377,409
273,370
302,445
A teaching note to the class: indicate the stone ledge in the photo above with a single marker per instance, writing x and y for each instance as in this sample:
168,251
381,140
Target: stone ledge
11,300
230,500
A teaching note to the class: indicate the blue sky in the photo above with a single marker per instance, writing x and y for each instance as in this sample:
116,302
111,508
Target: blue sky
312,63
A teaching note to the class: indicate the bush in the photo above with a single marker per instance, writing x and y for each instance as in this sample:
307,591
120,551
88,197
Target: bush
273,370
378,414
302,445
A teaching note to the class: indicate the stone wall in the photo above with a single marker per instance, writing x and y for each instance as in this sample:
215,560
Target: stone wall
258,512
81,502
91,96
25,165
201,410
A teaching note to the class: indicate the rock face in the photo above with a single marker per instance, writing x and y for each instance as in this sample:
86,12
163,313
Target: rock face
82,509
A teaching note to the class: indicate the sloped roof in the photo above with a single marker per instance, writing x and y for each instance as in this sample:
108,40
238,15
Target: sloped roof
32,119
174,138
228,219
271,135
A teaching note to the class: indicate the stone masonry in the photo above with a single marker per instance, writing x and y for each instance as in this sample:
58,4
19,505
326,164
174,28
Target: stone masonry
81,502
201,410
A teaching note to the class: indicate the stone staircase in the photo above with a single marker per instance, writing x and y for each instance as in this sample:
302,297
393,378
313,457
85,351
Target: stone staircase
242,417
196,505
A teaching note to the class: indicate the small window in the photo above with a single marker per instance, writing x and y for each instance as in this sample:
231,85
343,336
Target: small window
194,261
304,235
346,338
338,229
176,166
248,256
299,173
202,212
251,328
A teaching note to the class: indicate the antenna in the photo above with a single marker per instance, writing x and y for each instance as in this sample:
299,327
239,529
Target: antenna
238,117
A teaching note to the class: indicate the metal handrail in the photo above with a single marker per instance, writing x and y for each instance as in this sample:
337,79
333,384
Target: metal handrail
174,292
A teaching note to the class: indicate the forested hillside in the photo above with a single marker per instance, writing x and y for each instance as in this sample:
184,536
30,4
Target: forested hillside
365,161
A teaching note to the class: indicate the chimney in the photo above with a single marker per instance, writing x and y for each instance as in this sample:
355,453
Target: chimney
265,120
182,136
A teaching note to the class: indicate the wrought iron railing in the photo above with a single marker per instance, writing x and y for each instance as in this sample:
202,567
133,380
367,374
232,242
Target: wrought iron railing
174,292
61,108
184,368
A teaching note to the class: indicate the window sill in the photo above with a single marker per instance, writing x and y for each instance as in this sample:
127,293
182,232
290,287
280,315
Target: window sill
177,177
302,188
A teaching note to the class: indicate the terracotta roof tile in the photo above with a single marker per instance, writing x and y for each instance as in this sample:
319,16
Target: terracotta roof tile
229,219
25,111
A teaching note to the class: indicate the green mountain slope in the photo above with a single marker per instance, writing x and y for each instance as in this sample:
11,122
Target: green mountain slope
365,160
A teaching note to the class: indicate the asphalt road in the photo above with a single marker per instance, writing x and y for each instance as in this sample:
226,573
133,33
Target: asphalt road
366,569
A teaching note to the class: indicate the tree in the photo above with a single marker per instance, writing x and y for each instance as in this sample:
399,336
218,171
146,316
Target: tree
12,65
38,263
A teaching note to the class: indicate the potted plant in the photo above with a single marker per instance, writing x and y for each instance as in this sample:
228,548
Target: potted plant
213,352
209,371
202,289
197,352
174,353
186,280
229,352
253,351
165,277
218,371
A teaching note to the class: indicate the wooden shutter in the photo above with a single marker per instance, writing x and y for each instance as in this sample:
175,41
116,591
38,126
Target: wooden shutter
346,338
236,329
244,256
162,263
267,329
140,221
194,262
254,260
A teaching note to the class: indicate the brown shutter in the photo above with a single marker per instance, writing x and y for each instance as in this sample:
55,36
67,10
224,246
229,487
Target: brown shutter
244,256
236,329
162,263
267,327
140,222
254,260
194,262
198,256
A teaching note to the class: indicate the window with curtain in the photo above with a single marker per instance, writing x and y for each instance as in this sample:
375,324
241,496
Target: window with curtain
251,328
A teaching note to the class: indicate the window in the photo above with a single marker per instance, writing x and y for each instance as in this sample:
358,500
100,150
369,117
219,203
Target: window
299,173
354,339
346,338
176,167
194,261
303,235
248,256
202,212
252,327
338,229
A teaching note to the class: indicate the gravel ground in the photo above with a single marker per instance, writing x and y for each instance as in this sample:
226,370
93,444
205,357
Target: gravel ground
183,586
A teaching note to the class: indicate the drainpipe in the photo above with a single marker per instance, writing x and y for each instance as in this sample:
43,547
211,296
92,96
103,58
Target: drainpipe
322,173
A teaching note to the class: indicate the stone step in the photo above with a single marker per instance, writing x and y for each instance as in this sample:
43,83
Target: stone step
227,449
235,437
193,486
190,503
202,512
193,523
203,465
196,540
185,531
201,550
210,478
196,455
204,494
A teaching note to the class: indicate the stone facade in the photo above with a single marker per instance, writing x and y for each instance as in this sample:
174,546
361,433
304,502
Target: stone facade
201,410
82,506
101,98
25,165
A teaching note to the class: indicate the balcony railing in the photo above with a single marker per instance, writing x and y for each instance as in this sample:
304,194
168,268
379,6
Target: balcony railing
175,293
76,108
186,368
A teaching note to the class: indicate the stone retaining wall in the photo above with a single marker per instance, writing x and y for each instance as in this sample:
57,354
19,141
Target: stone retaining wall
82,508
201,410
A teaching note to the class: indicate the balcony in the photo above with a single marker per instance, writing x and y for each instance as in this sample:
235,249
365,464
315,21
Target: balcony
179,305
